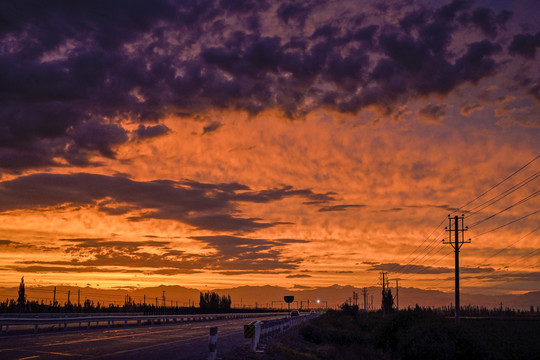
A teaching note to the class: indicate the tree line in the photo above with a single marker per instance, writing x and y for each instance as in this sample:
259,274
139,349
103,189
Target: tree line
209,302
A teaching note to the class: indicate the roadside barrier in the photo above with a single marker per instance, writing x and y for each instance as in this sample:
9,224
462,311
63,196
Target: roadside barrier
212,343
7,323
260,330
253,331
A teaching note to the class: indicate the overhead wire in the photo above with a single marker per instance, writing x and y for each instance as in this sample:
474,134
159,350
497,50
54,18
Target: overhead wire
527,198
418,247
485,204
430,246
509,246
513,272
500,182
473,211
507,224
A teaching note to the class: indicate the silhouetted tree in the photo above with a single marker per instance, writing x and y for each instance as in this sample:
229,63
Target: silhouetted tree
212,301
387,301
21,301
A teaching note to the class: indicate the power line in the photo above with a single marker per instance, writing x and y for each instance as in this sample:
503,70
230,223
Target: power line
520,259
493,200
509,246
425,268
510,223
502,195
430,246
527,198
418,247
499,183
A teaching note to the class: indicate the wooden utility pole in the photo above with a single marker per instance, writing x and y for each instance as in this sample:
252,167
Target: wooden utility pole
454,227
397,294
365,294
384,280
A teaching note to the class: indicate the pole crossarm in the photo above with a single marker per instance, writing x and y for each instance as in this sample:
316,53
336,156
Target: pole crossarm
454,227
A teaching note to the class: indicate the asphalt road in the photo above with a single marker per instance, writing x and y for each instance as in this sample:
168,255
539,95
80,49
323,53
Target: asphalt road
167,341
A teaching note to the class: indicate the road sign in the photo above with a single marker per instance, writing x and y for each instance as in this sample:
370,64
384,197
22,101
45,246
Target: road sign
249,331
288,299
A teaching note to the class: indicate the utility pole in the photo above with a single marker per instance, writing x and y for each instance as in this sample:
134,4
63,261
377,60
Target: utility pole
78,297
397,294
365,293
163,299
453,226
54,297
384,281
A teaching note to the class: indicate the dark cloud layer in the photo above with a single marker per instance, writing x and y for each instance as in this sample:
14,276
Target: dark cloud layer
228,255
201,205
340,207
422,269
71,72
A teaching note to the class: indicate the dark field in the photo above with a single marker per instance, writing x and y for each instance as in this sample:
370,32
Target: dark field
413,334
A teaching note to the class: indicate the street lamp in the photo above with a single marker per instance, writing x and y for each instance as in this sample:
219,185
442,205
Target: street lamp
324,301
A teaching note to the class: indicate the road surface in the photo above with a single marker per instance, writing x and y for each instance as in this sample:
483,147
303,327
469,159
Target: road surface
167,341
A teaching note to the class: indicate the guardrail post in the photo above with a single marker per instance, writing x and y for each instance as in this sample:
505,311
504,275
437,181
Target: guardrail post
88,325
35,328
212,343
255,341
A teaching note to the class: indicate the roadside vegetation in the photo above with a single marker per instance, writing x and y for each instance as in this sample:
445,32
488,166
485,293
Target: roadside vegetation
209,302
408,334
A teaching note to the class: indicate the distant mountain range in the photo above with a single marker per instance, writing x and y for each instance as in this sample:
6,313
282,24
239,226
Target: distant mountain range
266,296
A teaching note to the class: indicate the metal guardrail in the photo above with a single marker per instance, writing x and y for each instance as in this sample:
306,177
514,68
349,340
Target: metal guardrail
111,320
260,330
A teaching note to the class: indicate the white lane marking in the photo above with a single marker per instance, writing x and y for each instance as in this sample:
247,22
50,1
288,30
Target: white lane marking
56,353
133,334
106,338
181,341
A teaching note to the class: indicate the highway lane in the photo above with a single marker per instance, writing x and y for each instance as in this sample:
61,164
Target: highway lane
168,341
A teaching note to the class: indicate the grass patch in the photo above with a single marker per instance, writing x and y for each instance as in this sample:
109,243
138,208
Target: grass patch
410,334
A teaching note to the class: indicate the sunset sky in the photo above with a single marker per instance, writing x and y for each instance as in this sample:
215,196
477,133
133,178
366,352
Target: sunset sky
223,143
